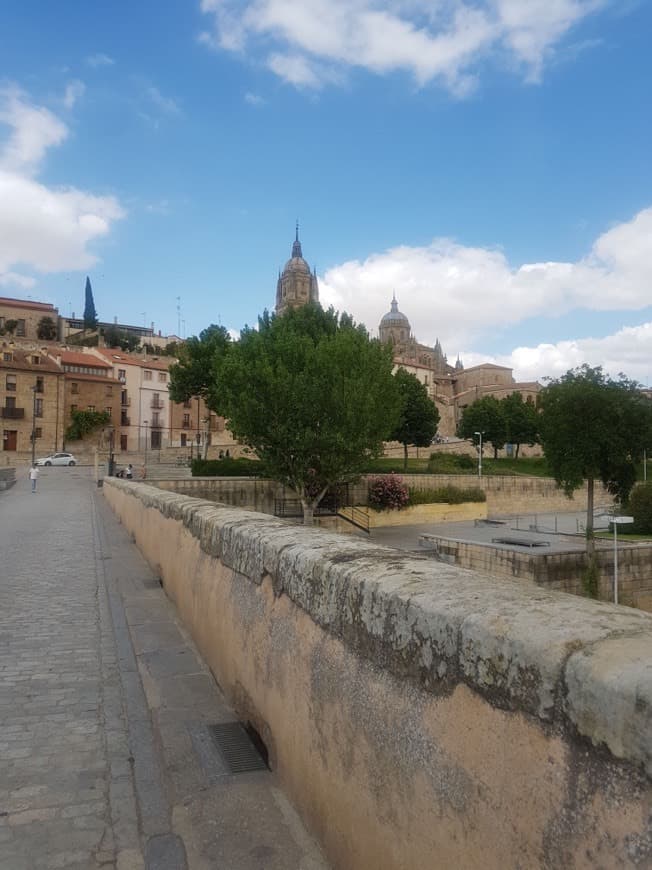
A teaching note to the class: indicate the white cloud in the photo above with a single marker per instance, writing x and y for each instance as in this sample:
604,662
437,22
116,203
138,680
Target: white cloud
43,229
313,43
99,60
74,91
458,294
254,99
165,104
34,129
14,279
629,350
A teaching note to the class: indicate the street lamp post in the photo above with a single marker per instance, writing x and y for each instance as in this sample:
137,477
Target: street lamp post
479,434
146,424
616,522
33,389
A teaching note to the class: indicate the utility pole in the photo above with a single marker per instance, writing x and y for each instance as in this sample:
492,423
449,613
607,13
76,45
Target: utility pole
33,425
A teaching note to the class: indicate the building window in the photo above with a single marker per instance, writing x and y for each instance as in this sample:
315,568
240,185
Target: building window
122,374
11,383
186,421
39,385
38,407
74,388
20,328
7,357
10,402
109,392
109,411
147,375
183,439
91,408
38,432
123,442
36,360
162,376
186,404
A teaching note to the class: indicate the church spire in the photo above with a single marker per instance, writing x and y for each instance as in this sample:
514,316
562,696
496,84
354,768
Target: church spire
296,247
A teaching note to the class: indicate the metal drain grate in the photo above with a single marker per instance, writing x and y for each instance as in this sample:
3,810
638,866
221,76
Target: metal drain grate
236,747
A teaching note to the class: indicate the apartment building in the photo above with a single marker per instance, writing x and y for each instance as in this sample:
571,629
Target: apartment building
144,400
90,386
32,400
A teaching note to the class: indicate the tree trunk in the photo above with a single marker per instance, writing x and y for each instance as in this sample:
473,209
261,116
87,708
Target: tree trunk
590,539
308,512
518,447
495,451
405,457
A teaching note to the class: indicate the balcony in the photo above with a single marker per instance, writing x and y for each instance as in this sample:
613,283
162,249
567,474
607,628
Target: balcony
156,424
125,421
157,404
125,401
12,413
185,425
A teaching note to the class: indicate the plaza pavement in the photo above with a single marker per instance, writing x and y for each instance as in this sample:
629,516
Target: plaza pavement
104,707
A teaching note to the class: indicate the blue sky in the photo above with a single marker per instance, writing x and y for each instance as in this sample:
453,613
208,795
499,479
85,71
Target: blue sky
489,162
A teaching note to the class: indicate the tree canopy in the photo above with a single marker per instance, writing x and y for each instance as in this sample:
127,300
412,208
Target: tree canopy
194,374
312,394
419,417
46,329
521,421
90,314
594,428
486,415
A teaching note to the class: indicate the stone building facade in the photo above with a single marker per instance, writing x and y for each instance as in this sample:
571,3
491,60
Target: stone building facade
26,315
452,388
31,401
90,386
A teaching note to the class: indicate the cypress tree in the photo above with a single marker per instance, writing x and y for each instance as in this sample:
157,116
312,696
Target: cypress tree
90,314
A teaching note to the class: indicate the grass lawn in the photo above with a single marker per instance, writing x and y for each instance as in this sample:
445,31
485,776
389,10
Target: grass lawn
624,536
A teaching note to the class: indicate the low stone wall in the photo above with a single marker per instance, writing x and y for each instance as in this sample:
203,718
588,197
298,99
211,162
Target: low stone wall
505,495
7,478
559,571
415,712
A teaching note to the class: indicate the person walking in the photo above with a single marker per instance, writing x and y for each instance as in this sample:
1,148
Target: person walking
33,476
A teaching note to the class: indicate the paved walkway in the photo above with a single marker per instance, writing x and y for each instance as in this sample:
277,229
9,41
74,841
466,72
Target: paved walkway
105,760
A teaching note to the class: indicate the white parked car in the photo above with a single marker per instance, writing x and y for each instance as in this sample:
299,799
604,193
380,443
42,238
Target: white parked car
58,459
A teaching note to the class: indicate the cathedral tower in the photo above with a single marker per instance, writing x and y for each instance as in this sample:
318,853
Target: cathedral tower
297,285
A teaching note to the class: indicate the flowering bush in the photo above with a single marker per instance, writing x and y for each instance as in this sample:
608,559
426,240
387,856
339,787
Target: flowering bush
388,493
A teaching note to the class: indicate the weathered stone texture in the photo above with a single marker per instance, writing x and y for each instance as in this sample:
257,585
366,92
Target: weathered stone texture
411,705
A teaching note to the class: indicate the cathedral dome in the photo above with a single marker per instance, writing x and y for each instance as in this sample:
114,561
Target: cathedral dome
394,317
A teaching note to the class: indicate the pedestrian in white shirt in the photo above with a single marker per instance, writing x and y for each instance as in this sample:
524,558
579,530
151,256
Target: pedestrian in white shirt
33,476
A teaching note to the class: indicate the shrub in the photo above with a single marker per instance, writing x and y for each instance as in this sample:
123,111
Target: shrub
388,493
227,468
640,507
447,495
451,463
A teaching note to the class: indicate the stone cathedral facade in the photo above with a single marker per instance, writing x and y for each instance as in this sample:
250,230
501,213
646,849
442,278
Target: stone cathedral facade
451,387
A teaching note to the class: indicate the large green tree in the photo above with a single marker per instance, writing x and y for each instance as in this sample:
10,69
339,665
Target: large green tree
194,374
419,417
594,428
485,415
90,314
312,394
521,421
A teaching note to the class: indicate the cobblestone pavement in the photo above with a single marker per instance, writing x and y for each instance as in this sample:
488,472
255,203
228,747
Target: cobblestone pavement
104,704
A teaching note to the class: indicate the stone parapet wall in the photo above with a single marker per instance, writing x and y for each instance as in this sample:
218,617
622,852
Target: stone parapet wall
7,478
414,711
559,571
